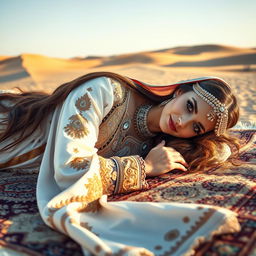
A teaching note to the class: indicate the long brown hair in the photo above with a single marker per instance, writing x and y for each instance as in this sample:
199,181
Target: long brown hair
30,109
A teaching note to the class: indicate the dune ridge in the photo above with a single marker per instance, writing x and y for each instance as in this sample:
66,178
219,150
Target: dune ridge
235,65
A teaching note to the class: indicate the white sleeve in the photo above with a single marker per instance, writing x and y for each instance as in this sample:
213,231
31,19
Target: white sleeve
77,133
78,128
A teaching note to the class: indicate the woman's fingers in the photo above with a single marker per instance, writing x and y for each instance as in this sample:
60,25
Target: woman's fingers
159,145
179,166
161,159
180,159
175,156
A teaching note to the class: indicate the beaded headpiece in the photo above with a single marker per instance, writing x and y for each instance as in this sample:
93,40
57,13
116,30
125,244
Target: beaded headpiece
219,111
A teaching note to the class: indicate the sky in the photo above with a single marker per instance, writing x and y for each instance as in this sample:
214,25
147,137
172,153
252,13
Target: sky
79,28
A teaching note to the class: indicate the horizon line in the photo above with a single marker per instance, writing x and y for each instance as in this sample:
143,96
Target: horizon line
134,52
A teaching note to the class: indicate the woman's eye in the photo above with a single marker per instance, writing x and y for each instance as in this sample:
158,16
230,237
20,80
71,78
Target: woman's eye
196,128
190,106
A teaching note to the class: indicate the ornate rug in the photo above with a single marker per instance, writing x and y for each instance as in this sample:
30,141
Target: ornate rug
22,231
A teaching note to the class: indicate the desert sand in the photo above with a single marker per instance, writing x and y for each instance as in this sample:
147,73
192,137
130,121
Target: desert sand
235,65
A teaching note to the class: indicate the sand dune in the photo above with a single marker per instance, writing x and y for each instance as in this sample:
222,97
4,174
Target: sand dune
211,55
198,49
13,73
243,59
5,57
37,72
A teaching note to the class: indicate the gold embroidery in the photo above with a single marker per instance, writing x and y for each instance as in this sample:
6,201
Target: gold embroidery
110,123
94,191
171,235
79,163
93,206
131,176
114,175
83,103
76,127
108,129
50,217
24,157
89,201
158,247
63,220
94,188
198,224
97,248
88,227
131,173
186,219
5,225
125,251
75,150
108,175
118,90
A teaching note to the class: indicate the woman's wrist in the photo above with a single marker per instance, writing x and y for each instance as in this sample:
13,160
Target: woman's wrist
148,169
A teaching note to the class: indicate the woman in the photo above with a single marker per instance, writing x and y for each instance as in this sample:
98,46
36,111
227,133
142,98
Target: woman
98,135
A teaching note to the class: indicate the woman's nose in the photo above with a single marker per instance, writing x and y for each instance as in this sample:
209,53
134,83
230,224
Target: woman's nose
179,122
182,121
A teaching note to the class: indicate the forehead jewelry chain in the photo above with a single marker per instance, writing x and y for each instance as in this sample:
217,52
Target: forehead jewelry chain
219,111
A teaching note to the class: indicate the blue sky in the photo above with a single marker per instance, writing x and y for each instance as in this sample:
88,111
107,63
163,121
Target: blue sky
69,28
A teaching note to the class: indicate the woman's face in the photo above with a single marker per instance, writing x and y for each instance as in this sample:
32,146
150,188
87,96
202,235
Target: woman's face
186,116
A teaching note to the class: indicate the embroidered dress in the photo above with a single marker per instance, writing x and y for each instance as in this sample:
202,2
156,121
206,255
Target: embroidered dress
90,148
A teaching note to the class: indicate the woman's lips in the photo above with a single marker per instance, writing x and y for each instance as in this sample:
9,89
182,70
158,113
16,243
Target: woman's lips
172,125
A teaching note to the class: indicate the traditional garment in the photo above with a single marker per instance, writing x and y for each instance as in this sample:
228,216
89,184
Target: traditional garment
91,147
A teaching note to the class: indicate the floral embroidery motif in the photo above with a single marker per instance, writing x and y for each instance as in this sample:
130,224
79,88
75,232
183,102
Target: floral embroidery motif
94,192
76,127
79,163
108,175
94,188
83,103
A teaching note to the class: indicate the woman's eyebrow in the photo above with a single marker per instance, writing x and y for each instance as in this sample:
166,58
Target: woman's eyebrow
196,111
195,104
201,126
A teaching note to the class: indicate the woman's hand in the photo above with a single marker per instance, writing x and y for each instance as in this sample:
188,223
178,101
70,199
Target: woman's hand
161,159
